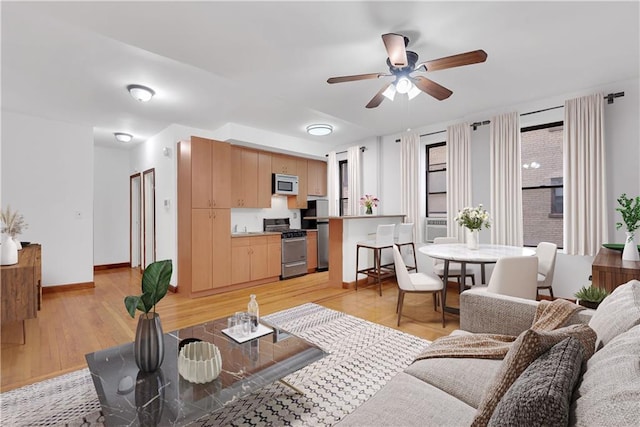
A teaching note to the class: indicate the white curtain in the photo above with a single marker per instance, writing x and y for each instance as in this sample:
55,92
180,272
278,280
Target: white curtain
333,184
585,201
458,175
409,181
355,181
506,181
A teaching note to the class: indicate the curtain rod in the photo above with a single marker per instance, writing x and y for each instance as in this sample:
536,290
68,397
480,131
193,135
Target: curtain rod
362,150
609,97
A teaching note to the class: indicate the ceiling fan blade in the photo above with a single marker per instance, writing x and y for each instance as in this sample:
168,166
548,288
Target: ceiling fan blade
395,45
355,78
459,60
377,100
432,88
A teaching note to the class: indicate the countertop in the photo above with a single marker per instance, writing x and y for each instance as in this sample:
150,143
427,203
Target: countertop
353,217
255,233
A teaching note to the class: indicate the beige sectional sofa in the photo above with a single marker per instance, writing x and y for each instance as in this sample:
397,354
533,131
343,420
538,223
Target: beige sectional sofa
602,391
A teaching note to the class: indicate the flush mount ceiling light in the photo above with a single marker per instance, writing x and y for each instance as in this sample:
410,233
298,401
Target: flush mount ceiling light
123,137
141,93
319,129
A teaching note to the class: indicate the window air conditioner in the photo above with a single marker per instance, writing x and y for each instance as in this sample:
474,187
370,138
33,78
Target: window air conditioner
435,227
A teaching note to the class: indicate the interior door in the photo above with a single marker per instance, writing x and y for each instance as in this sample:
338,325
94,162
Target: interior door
149,216
135,220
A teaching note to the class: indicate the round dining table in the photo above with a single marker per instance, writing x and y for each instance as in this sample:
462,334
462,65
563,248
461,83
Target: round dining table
459,252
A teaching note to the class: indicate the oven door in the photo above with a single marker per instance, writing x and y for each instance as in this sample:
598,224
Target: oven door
294,250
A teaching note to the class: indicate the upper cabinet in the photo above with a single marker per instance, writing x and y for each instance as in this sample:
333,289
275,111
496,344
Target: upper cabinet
210,173
284,164
250,178
316,178
299,201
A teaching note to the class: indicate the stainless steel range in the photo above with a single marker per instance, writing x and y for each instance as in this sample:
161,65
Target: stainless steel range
294,247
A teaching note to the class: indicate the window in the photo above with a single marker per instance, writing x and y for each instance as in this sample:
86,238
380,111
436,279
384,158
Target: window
344,186
437,180
542,184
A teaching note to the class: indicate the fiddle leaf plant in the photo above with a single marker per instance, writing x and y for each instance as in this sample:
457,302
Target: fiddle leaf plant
155,283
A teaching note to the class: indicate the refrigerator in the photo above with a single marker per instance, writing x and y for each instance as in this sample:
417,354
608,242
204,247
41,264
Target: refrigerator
318,208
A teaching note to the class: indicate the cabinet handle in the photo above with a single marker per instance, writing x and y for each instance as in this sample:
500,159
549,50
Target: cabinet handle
209,214
214,203
209,202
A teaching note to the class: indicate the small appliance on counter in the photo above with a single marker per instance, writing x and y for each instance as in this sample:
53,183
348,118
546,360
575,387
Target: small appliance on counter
294,247
318,208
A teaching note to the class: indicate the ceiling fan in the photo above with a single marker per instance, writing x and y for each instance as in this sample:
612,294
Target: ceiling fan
402,63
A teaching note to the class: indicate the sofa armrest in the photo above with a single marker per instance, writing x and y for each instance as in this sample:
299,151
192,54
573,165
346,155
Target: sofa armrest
486,312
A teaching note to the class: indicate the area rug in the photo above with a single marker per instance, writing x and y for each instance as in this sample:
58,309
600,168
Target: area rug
363,357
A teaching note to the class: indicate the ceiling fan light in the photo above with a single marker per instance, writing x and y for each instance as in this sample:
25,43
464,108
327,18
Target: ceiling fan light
123,137
413,92
141,93
390,92
403,85
319,129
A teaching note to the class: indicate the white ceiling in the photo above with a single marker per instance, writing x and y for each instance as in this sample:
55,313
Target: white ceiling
265,64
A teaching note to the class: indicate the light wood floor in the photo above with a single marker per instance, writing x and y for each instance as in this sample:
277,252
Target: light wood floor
74,323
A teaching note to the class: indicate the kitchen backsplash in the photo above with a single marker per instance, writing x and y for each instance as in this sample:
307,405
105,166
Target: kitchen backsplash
252,218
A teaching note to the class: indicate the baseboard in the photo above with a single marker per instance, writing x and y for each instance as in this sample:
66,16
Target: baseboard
173,289
69,287
110,266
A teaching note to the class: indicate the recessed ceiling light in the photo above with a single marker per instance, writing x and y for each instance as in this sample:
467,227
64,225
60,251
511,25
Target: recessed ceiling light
319,129
123,137
141,93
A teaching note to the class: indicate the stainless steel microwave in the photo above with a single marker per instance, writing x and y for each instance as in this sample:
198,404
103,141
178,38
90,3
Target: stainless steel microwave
284,184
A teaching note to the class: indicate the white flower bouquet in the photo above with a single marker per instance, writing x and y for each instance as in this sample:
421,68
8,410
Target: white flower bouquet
473,218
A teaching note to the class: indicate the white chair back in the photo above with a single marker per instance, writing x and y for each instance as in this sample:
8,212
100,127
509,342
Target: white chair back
402,274
546,253
384,235
515,276
443,241
405,233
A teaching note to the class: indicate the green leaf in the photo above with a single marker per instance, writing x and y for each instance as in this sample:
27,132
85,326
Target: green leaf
155,281
132,303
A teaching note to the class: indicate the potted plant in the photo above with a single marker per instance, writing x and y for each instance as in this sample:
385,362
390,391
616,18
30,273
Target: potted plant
630,211
591,296
473,219
149,344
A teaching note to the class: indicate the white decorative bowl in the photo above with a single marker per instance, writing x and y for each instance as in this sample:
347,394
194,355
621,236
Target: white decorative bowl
199,362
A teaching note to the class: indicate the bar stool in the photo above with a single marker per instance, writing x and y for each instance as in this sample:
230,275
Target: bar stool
404,238
384,239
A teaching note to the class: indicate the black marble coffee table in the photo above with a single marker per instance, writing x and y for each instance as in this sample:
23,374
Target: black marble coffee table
130,397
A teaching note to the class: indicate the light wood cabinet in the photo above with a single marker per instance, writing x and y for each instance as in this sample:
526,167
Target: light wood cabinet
316,178
250,178
300,201
284,164
312,250
250,259
264,179
274,255
210,248
210,173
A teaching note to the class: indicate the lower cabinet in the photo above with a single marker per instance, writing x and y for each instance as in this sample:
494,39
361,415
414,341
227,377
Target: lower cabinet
251,259
312,250
210,243
274,255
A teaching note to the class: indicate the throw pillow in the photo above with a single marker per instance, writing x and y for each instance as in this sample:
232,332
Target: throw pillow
541,396
525,349
617,313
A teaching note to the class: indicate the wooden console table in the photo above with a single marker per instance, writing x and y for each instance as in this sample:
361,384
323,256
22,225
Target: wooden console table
609,270
21,286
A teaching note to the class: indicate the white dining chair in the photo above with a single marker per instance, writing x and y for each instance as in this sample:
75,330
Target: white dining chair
515,276
546,253
416,282
404,238
455,269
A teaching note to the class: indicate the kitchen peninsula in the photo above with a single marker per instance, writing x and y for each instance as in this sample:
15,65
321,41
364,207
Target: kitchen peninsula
344,233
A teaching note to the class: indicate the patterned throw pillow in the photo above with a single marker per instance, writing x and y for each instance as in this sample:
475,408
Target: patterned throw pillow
525,349
617,313
541,396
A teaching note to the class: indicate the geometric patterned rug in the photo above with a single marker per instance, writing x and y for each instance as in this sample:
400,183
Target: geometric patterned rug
363,357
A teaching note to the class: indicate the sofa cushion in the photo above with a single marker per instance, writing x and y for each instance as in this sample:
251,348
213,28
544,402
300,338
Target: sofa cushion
408,401
541,396
465,378
524,350
609,393
617,313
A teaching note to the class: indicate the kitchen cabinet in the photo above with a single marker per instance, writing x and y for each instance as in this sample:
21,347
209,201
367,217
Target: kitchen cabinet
264,179
210,173
210,248
312,250
250,178
281,163
274,255
316,178
300,201
249,259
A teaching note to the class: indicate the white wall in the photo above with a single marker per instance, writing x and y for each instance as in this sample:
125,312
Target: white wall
47,175
111,206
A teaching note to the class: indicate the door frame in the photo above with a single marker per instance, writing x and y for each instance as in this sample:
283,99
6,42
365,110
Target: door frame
135,206
145,208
